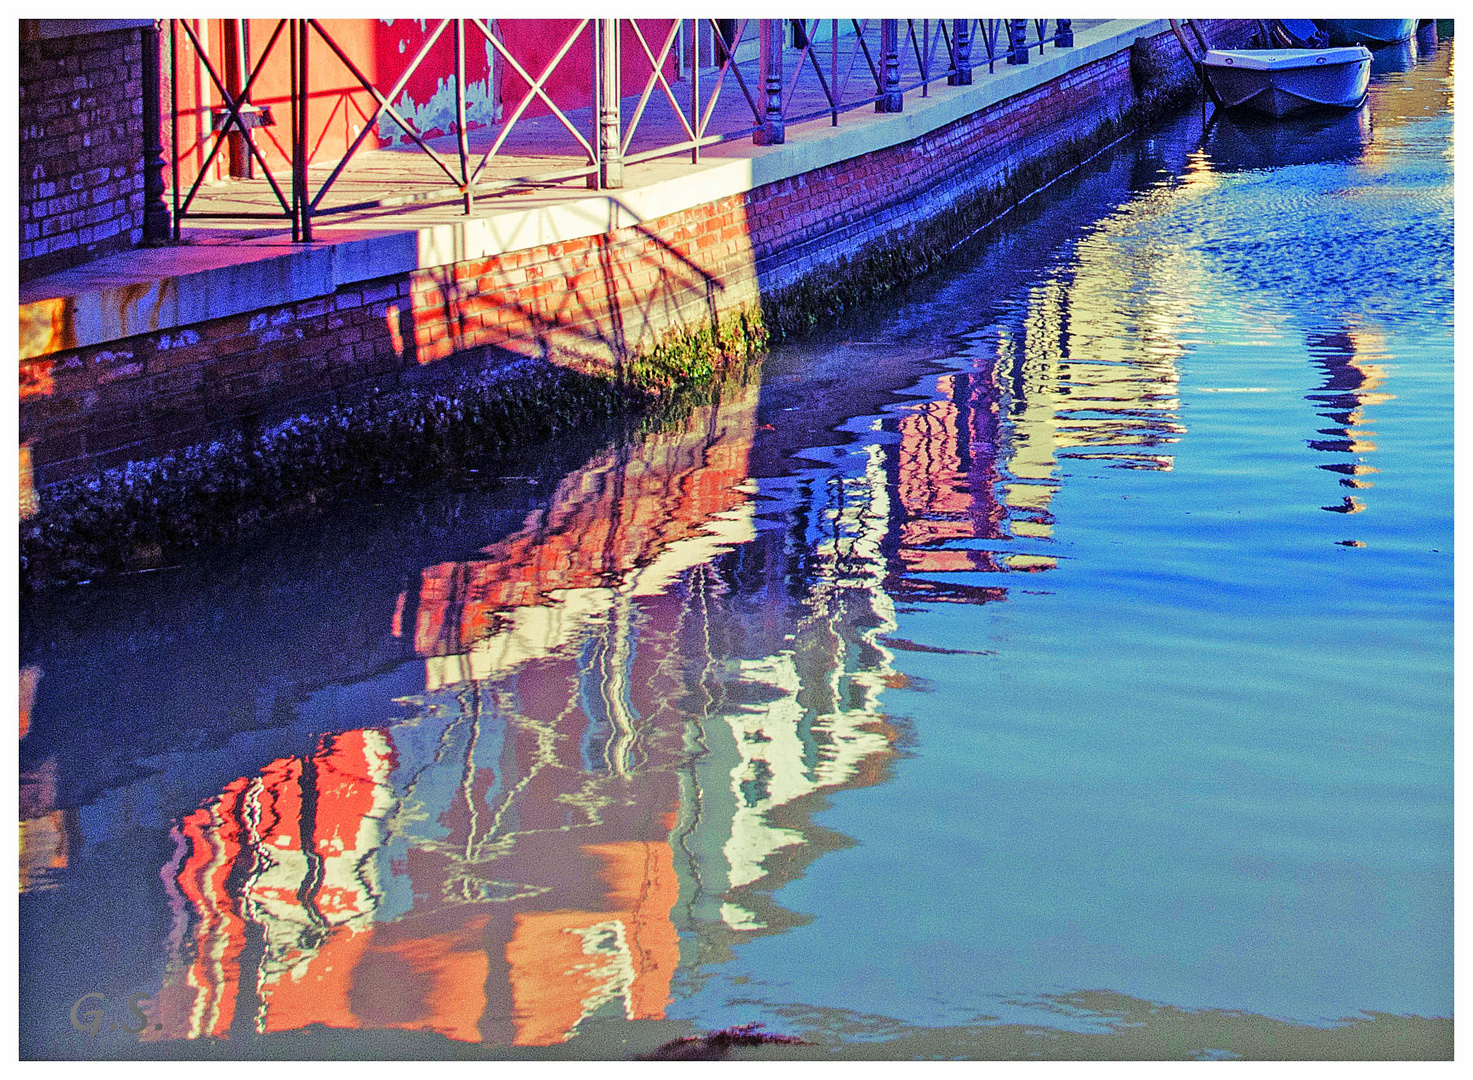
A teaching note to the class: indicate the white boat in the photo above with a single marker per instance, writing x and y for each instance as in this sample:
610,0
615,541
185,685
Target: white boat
1279,82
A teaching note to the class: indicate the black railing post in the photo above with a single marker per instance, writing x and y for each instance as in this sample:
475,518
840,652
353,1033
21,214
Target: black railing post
961,44
770,33
301,191
155,212
298,108
891,99
1017,41
174,117
695,89
1064,33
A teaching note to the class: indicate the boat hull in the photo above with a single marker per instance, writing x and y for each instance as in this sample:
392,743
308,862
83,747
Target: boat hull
1369,32
1283,82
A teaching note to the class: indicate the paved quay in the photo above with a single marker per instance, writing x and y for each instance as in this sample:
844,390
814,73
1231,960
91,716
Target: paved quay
223,268
148,351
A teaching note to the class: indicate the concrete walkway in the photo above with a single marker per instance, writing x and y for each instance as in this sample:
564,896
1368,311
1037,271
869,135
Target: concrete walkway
225,268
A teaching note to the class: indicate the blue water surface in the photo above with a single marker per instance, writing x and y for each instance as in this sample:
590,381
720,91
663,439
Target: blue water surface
1064,643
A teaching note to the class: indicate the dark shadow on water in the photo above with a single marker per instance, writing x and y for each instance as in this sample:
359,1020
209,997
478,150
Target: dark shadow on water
1237,142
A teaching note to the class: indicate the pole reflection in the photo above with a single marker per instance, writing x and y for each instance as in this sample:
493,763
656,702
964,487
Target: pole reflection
1351,384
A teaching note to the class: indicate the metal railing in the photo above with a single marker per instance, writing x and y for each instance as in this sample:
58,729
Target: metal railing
748,78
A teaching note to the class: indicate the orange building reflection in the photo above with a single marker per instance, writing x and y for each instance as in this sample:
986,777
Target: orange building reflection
947,484
578,795
306,895
495,866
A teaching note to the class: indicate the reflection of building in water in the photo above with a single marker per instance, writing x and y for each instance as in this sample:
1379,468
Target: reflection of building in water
632,706
45,831
500,863
1351,381
619,528
1075,379
947,483
1093,369
792,708
347,889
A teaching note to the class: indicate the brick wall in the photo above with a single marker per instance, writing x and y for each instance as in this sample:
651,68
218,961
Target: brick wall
582,303
81,144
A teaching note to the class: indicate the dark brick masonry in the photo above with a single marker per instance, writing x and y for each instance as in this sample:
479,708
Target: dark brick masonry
81,148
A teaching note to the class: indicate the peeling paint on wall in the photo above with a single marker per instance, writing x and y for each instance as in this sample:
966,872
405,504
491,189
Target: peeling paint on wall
435,115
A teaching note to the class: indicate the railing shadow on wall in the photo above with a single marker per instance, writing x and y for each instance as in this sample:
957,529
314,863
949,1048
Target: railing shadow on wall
518,105
581,317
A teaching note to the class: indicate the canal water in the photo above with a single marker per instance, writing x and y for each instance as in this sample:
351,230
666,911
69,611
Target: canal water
1055,661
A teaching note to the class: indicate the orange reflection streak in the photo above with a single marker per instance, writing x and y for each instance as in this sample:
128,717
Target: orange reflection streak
311,899
45,831
947,486
566,964
433,983
30,676
605,524
214,976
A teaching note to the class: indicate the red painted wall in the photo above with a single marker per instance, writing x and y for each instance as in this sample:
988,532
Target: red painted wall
382,50
534,43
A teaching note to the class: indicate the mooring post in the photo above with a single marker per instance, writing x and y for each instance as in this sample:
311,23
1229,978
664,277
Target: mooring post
891,99
1064,33
155,212
961,44
1017,41
610,153
770,75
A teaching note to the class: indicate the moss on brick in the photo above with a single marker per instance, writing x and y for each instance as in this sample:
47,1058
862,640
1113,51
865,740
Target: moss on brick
884,265
148,513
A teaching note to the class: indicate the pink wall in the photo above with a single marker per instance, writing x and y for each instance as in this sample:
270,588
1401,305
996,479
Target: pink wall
383,49
534,42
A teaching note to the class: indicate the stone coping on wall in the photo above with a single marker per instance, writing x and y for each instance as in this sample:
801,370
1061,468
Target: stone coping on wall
147,290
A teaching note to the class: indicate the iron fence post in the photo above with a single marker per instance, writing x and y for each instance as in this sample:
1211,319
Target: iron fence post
155,213
174,117
1064,33
892,100
1017,41
925,55
961,39
610,154
770,75
299,135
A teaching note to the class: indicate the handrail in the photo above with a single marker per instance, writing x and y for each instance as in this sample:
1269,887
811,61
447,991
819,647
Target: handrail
899,56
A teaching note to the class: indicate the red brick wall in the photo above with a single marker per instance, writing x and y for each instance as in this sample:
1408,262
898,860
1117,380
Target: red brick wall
581,302
81,148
